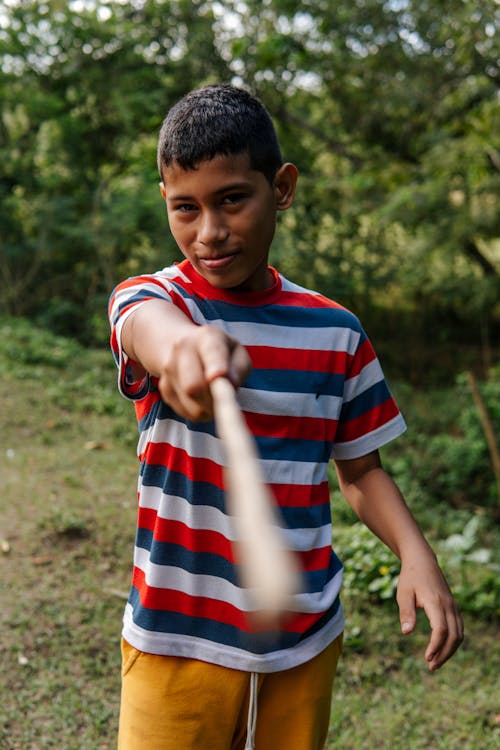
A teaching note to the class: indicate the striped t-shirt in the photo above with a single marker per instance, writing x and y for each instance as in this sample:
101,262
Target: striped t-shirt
316,391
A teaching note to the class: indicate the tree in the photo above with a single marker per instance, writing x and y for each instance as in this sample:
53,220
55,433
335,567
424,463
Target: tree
391,111
83,94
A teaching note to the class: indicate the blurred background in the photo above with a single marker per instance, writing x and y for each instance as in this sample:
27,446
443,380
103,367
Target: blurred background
390,110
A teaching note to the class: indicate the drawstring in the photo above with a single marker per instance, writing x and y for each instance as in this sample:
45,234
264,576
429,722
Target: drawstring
252,712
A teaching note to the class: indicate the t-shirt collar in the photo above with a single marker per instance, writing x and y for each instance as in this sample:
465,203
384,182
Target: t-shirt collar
202,287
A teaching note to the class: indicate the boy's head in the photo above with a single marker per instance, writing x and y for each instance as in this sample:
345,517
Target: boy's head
219,120
223,181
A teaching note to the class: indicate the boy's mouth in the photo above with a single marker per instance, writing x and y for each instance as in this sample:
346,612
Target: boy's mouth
218,262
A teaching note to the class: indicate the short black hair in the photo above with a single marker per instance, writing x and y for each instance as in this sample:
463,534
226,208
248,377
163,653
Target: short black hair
216,120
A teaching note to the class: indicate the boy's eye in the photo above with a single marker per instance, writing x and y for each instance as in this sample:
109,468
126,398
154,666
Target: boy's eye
234,198
184,207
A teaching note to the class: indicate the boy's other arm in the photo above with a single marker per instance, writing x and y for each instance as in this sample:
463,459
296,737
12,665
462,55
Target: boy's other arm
378,503
185,357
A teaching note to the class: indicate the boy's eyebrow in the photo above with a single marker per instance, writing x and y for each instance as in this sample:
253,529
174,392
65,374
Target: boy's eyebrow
227,188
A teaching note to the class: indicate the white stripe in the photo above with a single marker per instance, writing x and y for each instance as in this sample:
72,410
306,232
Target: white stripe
122,296
290,286
213,587
368,443
199,517
173,272
277,403
294,472
177,434
305,540
368,376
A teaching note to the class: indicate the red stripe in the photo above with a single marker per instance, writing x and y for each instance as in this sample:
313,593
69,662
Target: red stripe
315,559
175,532
199,606
176,601
307,299
179,460
363,356
313,360
114,341
364,424
138,281
301,623
301,428
300,495
145,405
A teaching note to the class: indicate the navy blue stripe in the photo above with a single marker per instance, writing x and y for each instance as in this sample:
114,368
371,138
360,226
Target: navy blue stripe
306,518
294,449
175,483
274,314
296,381
205,563
369,399
161,410
217,632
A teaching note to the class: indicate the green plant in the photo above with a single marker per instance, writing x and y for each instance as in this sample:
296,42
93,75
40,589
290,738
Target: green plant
369,566
473,570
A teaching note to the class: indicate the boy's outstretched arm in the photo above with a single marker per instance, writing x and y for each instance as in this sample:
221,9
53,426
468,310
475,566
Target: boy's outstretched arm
185,357
377,501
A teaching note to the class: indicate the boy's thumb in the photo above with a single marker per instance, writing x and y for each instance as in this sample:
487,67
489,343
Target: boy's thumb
407,625
407,616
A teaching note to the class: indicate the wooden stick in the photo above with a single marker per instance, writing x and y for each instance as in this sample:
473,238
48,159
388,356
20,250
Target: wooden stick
268,567
489,433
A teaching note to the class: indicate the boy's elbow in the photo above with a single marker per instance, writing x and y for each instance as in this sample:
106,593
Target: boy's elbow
351,471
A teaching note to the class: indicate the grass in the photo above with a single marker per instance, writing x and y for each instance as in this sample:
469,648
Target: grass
67,517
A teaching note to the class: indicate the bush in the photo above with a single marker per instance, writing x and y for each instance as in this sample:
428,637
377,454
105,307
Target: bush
370,568
444,458
473,570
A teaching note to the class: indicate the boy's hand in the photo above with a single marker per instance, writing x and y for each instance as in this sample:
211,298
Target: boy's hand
422,585
376,499
195,359
185,357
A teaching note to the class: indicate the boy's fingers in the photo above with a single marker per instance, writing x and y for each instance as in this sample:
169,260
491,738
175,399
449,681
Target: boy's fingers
446,635
240,364
215,349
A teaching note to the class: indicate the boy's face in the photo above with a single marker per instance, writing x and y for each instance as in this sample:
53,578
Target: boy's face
223,216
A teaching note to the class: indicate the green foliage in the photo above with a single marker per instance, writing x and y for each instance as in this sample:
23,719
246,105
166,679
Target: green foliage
28,351
475,570
370,568
371,571
451,460
389,110
23,346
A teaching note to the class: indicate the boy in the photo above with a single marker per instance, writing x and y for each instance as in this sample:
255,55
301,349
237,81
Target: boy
194,674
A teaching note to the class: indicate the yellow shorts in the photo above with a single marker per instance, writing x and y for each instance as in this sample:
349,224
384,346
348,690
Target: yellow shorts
173,703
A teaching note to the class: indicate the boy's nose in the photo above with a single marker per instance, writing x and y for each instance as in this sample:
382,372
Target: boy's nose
212,229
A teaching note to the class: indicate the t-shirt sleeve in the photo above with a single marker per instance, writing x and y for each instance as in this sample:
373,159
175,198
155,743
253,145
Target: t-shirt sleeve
369,417
125,299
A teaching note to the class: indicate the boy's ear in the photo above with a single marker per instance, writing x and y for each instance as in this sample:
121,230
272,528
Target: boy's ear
163,191
285,182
